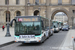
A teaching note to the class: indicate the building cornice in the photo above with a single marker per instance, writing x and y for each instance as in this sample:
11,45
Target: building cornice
12,5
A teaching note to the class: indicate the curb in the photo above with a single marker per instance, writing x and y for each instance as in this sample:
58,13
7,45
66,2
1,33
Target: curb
8,43
63,42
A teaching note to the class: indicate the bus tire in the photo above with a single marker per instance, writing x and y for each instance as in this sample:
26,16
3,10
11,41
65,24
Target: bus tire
23,43
42,41
48,35
44,38
57,31
52,34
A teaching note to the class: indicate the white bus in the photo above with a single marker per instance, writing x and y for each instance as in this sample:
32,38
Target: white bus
31,29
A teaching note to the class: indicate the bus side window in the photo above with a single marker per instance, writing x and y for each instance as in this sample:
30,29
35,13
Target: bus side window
42,25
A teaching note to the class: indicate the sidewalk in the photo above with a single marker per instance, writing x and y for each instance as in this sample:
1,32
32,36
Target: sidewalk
3,39
68,43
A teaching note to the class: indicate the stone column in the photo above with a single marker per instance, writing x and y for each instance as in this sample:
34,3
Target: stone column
26,10
71,14
22,13
70,1
3,18
49,2
49,14
12,15
69,17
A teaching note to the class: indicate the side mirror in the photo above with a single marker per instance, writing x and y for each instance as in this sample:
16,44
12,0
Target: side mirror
42,23
11,23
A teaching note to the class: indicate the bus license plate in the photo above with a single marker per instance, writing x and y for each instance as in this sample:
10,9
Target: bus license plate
27,36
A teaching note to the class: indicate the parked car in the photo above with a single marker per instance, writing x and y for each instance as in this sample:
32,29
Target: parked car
65,28
67,25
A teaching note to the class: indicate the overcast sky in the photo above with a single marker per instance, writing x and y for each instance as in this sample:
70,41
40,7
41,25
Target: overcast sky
60,13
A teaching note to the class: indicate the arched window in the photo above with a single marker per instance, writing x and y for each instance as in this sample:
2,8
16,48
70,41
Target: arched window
7,16
18,13
6,2
36,2
73,2
17,1
59,2
36,12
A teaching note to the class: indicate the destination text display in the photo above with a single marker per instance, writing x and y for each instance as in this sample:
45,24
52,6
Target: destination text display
27,19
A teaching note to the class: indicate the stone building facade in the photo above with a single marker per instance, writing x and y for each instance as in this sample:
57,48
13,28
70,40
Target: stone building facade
45,8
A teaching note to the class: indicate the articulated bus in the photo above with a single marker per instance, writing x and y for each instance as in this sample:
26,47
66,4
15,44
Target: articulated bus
55,26
31,29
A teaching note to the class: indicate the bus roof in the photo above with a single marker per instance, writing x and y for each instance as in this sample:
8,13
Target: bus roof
26,16
29,17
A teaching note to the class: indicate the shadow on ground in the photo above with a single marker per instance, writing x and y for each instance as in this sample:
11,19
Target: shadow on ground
30,44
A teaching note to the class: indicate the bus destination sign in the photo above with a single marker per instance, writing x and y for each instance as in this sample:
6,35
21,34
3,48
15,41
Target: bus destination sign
27,19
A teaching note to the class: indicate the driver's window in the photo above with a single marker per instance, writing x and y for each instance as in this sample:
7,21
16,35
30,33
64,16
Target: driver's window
42,24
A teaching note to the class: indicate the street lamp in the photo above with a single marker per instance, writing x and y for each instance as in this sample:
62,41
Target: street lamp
72,21
7,33
39,10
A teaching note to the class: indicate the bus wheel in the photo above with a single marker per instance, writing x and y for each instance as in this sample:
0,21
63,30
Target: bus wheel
52,34
23,43
48,35
43,38
42,41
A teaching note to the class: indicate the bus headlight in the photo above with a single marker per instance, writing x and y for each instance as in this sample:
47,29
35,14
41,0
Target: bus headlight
15,37
56,28
38,38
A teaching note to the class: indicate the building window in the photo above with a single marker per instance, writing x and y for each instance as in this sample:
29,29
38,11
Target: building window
36,12
73,2
6,2
59,2
17,1
18,13
37,2
73,11
7,16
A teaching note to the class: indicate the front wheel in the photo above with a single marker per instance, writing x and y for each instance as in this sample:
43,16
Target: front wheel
43,39
23,43
48,35
52,34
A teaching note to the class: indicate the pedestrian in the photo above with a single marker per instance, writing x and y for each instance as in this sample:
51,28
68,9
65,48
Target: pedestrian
3,27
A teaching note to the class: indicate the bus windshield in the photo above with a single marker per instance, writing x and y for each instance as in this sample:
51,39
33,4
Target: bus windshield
59,24
23,28
55,25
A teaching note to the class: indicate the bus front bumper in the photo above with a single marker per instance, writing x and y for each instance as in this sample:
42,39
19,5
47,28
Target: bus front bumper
28,41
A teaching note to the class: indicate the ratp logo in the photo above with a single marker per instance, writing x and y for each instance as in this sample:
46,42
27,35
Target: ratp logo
20,19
